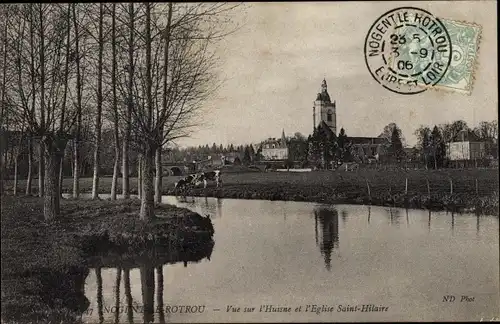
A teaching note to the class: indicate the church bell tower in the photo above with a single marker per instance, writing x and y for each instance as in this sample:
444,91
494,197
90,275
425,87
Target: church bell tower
326,109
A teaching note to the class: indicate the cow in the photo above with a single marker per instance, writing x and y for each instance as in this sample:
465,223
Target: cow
351,166
186,182
182,183
210,176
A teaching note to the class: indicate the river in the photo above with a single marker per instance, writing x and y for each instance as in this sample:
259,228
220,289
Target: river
315,262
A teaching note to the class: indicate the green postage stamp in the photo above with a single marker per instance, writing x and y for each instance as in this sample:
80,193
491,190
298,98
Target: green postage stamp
408,50
465,39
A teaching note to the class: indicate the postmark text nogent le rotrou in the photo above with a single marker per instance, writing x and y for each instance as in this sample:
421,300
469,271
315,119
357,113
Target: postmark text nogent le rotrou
407,50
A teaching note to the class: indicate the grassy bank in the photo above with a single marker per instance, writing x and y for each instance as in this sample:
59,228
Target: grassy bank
452,189
44,265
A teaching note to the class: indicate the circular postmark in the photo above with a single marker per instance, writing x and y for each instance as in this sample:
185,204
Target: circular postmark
407,50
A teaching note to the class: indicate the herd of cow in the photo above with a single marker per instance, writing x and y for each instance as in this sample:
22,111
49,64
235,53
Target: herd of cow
195,180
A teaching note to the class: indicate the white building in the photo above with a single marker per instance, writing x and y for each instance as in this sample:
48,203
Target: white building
275,149
465,146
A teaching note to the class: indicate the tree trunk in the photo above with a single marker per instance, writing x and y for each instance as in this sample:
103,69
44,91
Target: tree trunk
116,166
51,202
126,139
72,161
116,169
65,95
2,174
139,176
147,199
125,167
159,171
3,166
41,174
159,174
76,170
15,173
76,143
61,173
29,179
54,148
33,101
41,170
98,123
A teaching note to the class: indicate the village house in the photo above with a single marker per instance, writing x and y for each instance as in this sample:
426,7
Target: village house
275,149
231,158
464,148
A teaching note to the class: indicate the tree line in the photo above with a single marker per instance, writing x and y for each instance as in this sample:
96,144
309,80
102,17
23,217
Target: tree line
201,152
137,72
322,148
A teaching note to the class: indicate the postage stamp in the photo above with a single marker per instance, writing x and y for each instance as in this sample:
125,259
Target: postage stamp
408,50
465,38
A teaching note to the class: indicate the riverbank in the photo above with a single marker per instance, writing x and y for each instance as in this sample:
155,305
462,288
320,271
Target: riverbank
450,202
44,265
474,190
471,190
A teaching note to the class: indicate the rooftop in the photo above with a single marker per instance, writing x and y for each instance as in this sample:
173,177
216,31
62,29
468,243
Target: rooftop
465,136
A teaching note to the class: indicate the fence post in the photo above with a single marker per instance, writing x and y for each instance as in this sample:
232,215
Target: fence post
428,188
451,187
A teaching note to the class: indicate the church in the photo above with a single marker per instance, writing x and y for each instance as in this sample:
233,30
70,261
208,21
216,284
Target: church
364,148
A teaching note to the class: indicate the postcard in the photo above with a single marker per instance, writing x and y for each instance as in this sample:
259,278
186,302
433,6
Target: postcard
249,162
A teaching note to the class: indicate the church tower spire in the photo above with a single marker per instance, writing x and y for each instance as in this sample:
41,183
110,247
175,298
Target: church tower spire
326,108
324,87
283,138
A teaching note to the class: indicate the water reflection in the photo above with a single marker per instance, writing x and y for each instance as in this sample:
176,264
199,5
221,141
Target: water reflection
99,294
147,289
270,257
117,293
204,206
150,268
477,225
394,215
128,295
452,223
344,217
328,220
159,294
209,207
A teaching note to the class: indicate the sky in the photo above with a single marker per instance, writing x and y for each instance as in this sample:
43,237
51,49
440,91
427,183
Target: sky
274,64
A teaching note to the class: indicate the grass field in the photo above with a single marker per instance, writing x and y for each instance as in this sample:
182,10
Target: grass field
469,189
